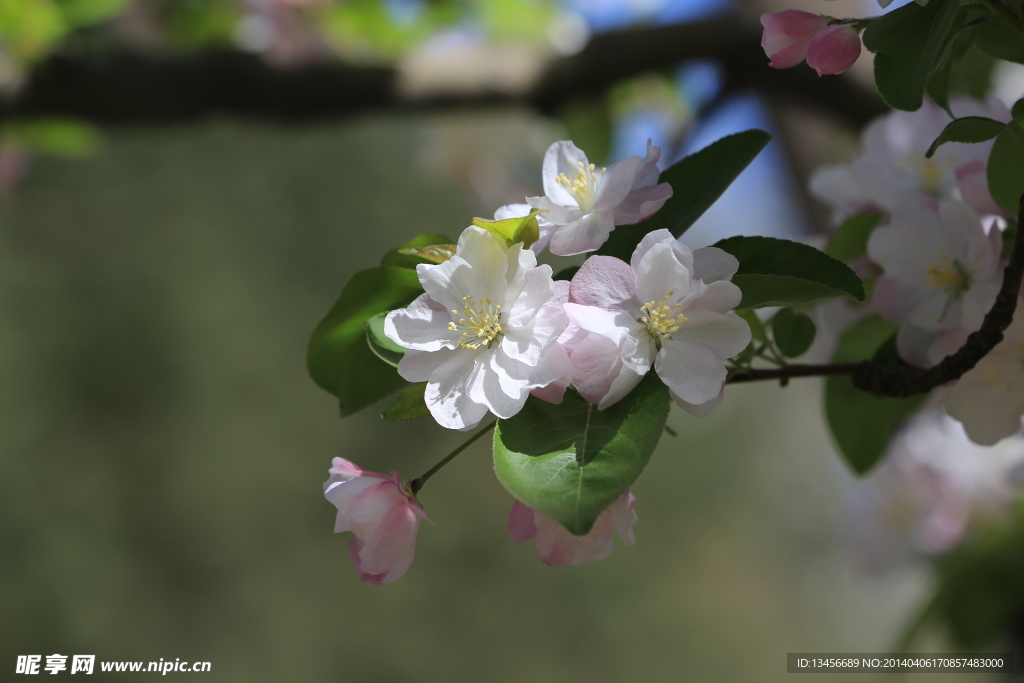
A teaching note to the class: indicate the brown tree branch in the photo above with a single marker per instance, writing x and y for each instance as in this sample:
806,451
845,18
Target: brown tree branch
901,380
136,89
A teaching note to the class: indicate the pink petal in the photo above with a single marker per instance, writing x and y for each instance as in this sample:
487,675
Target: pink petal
603,281
834,50
788,34
520,523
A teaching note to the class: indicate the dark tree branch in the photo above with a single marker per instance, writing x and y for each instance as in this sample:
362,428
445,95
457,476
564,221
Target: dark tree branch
901,380
135,89
790,372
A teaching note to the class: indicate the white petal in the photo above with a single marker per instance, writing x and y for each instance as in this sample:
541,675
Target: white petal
562,157
447,393
692,372
604,281
712,264
718,297
725,334
612,323
989,400
616,183
700,409
418,366
661,273
423,329
587,233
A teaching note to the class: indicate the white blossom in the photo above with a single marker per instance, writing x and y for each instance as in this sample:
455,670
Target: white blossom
485,332
669,309
584,203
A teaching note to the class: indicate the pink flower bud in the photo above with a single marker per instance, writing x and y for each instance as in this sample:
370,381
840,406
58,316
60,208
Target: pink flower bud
834,49
788,34
383,515
557,547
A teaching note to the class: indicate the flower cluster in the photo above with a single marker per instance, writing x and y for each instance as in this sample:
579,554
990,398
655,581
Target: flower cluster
493,327
938,253
829,45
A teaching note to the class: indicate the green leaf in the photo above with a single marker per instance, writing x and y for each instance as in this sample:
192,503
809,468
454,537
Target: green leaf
862,424
382,346
937,86
697,181
998,39
907,43
850,240
571,461
84,12
409,404
776,272
512,230
417,251
1006,168
1017,113
793,332
60,137
969,129
339,359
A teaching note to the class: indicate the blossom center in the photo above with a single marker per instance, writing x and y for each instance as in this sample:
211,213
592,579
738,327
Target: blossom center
582,186
657,316
930,171
948,275
480,323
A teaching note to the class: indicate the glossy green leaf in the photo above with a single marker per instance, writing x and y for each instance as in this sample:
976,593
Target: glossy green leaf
408,405
850,240
418,250
907,43
862,424
339,358
697,181
382,347
512,230
1006,168
793,332
571,461
969,129
776,272
85,12
1000,40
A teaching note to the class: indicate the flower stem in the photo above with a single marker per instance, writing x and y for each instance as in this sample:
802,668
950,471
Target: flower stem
416,484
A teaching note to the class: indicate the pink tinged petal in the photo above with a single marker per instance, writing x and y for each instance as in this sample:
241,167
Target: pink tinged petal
718,297
612,323
520,523
562,157
423,329
615,184
655,237
391,548
700,409
647,172
989,400
555,392
711,264
342,495
692,372
447,393
724,334
972,183
557,215
585,234
603,281
355,547
342,470
419,366
788,34
623,383
945,344
597,367
557,547
641,204
424,301
896,298
834,49
537,289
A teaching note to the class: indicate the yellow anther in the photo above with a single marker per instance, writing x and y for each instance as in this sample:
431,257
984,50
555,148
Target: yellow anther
480,323
948,275
659,320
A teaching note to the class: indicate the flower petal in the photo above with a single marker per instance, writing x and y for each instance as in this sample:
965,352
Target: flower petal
692,372
603,281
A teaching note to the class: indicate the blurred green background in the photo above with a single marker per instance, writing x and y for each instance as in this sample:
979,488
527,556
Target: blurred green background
163,451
